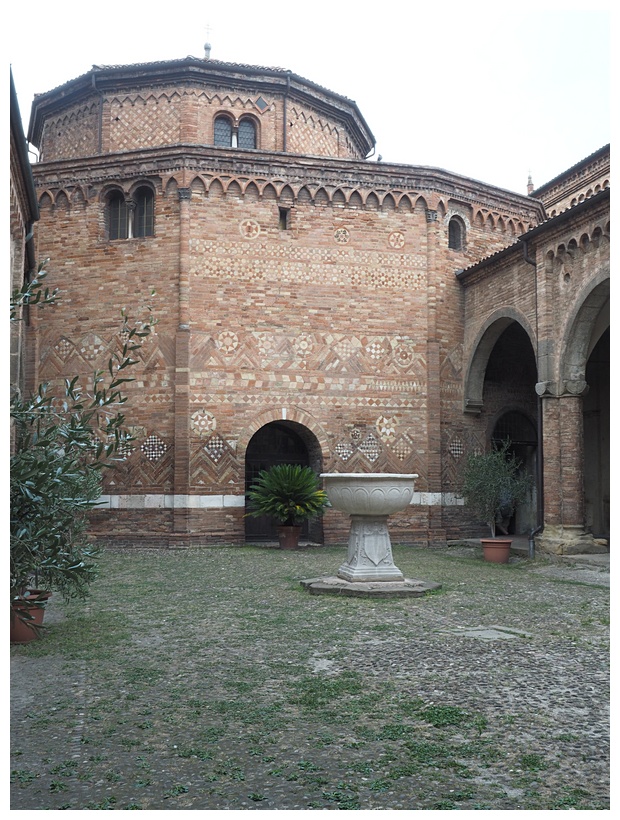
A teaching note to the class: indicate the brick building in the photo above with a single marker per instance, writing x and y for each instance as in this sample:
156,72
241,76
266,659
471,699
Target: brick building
315,305
24,212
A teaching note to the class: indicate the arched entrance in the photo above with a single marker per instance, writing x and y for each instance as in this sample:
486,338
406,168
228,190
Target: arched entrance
596,439
511,402
281,442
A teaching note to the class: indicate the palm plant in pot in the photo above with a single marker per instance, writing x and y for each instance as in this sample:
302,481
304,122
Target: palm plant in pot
493,484
289,493
62,440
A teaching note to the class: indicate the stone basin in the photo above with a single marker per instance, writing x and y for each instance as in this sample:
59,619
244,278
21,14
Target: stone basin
369,493
369,498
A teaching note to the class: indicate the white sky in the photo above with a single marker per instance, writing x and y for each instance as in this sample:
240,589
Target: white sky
493,91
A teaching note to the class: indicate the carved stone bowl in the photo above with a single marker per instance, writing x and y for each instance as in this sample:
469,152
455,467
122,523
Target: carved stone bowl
369,493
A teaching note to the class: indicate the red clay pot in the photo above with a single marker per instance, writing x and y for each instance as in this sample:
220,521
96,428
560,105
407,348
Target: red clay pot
288,537
23,631
496,550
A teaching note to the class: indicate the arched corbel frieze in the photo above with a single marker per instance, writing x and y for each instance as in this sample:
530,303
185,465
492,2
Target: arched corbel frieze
489,333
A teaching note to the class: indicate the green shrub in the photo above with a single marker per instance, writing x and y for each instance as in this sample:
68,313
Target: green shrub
61,444
287,492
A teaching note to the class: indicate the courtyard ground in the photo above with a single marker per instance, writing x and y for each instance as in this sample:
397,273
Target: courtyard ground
209,679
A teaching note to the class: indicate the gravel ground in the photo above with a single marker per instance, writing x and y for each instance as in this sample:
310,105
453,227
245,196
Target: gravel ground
211,680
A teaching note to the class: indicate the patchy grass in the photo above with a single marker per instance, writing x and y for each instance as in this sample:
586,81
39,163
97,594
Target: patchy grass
221,684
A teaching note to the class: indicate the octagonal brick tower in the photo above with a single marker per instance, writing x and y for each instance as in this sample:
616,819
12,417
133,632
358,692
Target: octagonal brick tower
306,300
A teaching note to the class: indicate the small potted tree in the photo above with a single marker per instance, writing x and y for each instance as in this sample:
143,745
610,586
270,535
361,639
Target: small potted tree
492,486
290,494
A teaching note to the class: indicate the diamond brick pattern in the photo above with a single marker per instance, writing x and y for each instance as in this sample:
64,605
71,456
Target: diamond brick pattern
370,447
215,448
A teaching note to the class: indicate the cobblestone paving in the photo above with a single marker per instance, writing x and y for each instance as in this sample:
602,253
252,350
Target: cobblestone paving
211,680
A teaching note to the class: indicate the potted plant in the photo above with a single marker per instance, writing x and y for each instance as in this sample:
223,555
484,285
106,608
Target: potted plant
492,486
290,494
61,442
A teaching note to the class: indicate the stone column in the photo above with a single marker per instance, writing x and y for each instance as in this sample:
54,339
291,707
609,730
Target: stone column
563,452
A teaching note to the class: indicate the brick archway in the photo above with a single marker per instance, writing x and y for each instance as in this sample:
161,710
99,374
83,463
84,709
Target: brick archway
582,327
287,436
482,348
294,414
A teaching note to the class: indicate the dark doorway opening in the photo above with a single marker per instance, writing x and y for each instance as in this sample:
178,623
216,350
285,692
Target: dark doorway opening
509,391
596,440
280,442
520,431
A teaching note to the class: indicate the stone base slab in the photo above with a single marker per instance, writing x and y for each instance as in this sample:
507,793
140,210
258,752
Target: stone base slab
332,585
569,541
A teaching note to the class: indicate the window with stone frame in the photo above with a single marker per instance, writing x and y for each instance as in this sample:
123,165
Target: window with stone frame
456,234
144,212
117,216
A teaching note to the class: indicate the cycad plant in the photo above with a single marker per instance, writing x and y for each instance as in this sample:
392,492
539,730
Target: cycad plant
289,493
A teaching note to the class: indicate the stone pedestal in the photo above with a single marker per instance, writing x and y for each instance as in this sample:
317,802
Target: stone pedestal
370,551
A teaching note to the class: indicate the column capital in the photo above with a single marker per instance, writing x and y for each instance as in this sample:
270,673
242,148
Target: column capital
564,388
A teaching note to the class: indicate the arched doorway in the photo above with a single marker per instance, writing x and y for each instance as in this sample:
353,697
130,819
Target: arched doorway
512,405
596,439
520,431
281,442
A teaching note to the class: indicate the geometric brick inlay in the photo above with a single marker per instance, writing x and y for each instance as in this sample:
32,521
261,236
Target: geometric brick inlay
396,239
153,448
402,447
215,448
386,427
371,448
92,346
64,348
203,422
344,450
456,448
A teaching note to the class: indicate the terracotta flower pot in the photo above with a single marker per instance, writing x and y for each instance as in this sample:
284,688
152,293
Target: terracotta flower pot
496,550
24,630
288,537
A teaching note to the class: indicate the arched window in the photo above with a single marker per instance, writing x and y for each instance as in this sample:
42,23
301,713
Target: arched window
228,135
247,133
129,218
456,234
222,132
144,214
118,216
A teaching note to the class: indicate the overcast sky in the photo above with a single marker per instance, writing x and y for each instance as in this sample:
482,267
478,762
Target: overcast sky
493,91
